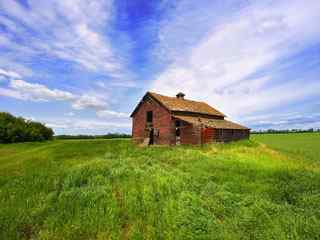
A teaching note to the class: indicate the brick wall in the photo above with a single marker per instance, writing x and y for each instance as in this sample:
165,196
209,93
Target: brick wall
161,122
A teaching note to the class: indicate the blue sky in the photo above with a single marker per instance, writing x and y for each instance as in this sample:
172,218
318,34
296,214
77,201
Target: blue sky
81,66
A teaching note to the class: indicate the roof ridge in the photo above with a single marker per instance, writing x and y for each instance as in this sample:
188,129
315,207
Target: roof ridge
175,98
185,105
185,99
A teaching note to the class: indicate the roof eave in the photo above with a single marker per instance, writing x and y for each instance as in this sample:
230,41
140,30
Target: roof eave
213,115
153,97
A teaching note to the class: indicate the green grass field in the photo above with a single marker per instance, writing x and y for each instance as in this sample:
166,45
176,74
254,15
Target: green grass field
303,145
111,189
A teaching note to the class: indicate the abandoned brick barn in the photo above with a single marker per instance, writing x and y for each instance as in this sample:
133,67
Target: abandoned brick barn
160,119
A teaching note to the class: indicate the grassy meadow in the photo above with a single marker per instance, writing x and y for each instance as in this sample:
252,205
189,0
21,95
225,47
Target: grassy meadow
111,189
303,145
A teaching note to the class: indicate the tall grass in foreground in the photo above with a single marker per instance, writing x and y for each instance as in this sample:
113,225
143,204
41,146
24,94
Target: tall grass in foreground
111,189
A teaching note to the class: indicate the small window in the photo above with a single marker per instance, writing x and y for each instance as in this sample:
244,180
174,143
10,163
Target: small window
178,123
149,116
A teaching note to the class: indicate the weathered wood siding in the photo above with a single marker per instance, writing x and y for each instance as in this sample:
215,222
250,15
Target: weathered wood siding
207,135
227,135
190,134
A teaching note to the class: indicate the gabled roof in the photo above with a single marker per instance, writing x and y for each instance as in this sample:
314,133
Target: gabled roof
175,104
214,123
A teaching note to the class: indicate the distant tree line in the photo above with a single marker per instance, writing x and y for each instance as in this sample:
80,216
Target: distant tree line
272,131
105,136
17,129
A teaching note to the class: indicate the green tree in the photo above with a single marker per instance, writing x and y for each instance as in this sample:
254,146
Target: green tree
16,129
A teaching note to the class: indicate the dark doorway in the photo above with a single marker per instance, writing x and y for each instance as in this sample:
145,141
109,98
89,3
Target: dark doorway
151,135
178,126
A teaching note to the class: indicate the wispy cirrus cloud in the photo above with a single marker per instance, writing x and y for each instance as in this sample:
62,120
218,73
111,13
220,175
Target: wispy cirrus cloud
9,74
53,51
109,113
234,61
73,30
6,92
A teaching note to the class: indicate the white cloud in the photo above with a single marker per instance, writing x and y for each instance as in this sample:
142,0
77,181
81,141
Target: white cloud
121,83
11,93
70,114
109,113
20,70
86,124
9,74
72,30
23,90
63,125
220,67
284,120
101,84
73,33
39,92
89,101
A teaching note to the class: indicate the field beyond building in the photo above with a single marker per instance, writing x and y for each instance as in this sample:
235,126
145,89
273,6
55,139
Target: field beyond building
298,145
112,189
